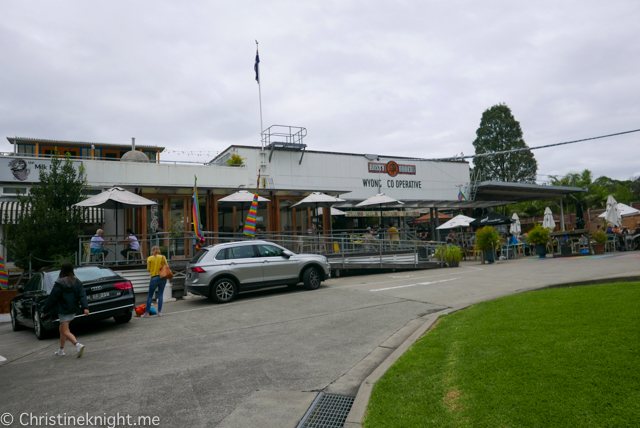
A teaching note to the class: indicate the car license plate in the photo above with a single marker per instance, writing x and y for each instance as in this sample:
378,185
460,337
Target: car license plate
98,296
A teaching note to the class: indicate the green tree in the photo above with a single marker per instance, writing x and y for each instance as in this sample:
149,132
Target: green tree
499,131
49,230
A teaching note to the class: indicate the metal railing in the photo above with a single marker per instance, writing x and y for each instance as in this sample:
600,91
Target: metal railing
343,246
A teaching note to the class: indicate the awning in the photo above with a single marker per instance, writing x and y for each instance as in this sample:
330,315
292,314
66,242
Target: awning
11,211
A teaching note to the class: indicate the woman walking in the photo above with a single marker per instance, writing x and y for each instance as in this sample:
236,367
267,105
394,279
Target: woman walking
154,263
68,293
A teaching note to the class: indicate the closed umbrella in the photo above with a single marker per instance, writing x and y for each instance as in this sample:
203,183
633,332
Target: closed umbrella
612,214
515,228
548,222
579,216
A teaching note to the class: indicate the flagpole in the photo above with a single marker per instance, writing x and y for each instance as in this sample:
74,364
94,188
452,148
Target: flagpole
257,67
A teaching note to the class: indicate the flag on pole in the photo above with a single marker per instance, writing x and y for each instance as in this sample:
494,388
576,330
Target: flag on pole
250,223
256,67
4,278
461,196
196,215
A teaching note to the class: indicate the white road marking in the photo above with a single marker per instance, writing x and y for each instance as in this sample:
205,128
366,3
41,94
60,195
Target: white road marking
2,358
413,285
457,272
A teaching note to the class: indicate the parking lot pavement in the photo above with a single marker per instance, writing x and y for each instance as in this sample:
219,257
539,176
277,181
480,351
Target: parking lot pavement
261,360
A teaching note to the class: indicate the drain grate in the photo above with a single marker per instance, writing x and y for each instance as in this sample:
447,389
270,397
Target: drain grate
327,411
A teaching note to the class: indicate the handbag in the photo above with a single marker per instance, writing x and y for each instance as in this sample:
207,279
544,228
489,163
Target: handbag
165,272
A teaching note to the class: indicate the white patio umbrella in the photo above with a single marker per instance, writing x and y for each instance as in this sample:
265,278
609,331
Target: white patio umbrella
116,198
381,200
457,221
612,214
548,222
335,211
515,228
317,200
241,199
624,210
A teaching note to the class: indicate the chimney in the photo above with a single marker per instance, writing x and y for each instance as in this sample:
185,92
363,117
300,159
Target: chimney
133,143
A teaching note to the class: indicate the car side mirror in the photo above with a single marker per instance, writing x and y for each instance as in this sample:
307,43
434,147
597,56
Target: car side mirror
286,254
21,289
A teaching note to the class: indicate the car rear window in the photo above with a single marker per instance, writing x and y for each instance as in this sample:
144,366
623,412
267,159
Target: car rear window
198,256
90,273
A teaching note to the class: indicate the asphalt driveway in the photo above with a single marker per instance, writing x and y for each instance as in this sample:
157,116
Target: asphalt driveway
261,360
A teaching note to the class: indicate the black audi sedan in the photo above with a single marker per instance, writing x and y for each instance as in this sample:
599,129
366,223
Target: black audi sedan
108,294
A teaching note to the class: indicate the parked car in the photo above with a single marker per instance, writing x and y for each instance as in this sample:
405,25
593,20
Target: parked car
108,294
222,271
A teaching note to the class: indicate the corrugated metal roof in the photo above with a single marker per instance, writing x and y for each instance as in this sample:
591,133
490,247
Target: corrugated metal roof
12,140
403,158
12,211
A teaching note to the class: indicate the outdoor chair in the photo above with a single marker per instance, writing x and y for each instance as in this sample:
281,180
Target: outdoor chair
135,255
610,245
476,253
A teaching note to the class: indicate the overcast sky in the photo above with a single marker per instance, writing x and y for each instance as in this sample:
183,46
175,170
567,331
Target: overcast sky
406,78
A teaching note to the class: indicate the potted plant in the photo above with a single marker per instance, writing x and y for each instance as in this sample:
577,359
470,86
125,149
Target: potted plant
600,239
235,160
539,236
452,254
486,240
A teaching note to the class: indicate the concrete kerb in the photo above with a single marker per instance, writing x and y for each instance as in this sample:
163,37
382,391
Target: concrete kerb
359,408
356,415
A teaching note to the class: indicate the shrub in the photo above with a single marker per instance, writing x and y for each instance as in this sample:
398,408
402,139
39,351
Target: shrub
538,235
600,237
487,238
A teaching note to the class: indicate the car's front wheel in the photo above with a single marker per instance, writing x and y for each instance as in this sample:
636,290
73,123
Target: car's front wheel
14,320
311,278
224,290
41,332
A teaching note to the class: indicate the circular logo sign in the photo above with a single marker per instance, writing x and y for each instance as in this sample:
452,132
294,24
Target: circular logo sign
392,168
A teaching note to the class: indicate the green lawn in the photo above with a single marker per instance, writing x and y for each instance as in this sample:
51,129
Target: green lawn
566,357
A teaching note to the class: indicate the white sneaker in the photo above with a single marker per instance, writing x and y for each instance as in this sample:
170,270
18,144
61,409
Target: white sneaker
59,352
145,315
159,314
79,349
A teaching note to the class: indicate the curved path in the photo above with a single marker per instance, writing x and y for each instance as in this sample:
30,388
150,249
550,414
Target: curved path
262,360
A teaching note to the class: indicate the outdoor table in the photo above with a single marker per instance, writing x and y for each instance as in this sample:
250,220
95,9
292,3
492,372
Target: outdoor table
570,234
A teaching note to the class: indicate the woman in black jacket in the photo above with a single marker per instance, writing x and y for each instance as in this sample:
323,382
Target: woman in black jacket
68,293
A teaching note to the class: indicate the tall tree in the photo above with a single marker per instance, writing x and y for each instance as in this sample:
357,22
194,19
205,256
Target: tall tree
499,131
49,229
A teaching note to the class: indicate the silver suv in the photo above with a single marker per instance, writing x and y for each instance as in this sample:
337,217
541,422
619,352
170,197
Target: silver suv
221,271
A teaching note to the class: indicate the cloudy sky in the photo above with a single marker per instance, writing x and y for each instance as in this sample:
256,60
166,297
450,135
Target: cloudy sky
407,78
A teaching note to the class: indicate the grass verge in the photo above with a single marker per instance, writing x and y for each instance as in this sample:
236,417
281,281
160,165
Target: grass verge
566,357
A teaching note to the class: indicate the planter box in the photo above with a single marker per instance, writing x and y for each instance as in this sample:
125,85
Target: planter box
598,248
5,300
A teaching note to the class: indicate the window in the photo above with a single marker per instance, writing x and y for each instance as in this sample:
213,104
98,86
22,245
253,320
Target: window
90,273
199,256
241,252
270,251
223,254
14,190
33,284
